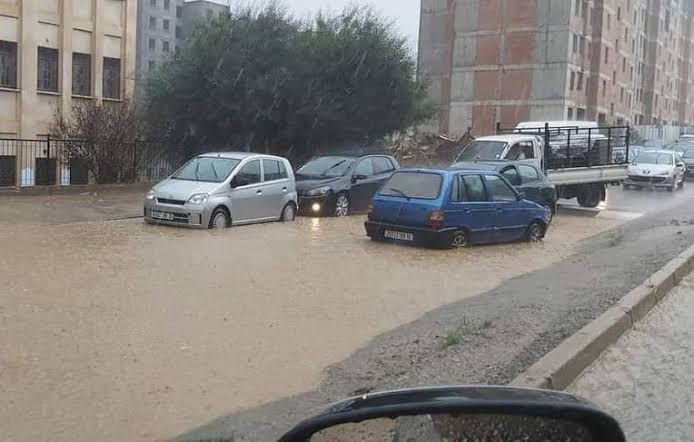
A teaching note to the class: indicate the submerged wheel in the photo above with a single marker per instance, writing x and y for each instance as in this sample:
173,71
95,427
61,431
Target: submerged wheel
459,239
535,231
288,213
341,205
219,219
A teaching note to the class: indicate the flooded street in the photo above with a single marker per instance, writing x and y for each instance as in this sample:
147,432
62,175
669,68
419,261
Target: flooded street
645,379
117,330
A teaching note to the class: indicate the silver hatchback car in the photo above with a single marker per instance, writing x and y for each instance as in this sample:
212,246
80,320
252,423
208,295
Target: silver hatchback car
217,190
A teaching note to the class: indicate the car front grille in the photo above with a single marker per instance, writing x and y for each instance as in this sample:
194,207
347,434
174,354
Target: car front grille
180,218
170,201
646,179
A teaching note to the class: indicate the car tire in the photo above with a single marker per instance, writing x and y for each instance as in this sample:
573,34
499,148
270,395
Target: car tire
341,205
590,198
219,219
536,231
671,188
288,213
552,212
460,239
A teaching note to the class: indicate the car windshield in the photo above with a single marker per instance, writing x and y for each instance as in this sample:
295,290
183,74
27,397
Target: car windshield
653,143
654,158
482,150
208,169
413,185
330,166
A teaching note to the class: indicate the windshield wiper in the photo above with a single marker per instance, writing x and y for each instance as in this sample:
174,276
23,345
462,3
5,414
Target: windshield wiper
393,189
197,167
333,166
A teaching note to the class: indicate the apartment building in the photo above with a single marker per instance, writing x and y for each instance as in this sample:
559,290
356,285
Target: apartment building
55,53
612,61
165,24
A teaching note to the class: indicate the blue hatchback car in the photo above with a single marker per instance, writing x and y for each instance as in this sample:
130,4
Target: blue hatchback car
453,208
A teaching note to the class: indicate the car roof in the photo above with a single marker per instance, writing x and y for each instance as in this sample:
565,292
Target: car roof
353,154
553,124
486,165
446,171
238,155
671,152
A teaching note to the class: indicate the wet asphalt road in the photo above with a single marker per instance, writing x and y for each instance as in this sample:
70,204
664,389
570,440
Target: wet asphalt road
118,330
645,380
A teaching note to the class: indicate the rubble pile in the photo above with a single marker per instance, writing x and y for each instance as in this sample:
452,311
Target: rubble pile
427,149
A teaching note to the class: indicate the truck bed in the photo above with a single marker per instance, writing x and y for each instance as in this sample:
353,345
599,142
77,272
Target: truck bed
594,174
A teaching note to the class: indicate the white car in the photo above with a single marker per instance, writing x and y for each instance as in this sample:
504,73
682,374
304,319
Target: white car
656,168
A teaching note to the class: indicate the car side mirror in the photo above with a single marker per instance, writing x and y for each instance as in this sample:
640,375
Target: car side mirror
680,164
358,177
238,182
521,195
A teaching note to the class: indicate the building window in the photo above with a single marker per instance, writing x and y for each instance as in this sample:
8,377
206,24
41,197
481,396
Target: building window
582,45
607,54
580,114
48,70
152,23
111,77
614,77
578,7
166,25
570,115
619,14
165,45
579,83
151,65
624,65
167,4
604,87
209,13
179,11
81,74
152,44
631,73
621,95
609,21
153,3
573,80
575,43
611,108
8,64
179,32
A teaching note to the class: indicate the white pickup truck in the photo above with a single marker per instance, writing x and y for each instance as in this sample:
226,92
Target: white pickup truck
579,158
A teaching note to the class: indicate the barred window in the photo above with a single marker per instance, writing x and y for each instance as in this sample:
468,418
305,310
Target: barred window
8,64
48,69
81,74
111,77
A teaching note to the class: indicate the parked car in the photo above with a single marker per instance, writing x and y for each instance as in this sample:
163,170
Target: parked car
341,184
656,168
526,178
453,208
217,190
688,160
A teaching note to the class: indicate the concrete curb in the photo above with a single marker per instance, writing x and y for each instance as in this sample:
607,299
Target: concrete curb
561,366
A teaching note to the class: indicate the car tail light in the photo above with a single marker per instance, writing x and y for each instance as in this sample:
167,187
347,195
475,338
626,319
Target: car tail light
435,219
370,212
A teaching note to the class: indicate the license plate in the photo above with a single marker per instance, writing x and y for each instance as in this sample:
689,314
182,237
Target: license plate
162,215
402,236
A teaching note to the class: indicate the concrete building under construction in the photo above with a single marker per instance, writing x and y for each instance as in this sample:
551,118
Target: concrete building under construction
612,61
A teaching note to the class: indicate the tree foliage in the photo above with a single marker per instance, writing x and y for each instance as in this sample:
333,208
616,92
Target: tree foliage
260,80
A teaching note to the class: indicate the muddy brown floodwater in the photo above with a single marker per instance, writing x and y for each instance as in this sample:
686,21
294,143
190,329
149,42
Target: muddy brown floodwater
124,331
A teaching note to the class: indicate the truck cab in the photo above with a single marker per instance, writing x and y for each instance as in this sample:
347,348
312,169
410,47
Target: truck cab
516,147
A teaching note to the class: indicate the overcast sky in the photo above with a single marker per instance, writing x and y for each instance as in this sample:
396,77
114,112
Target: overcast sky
405,13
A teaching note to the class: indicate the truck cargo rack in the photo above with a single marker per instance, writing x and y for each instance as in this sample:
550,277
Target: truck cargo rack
577,146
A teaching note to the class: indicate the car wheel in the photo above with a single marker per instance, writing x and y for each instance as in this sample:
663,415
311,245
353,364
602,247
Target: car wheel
535,231
550,213
288,213
219,219
459,239
671,188
341,205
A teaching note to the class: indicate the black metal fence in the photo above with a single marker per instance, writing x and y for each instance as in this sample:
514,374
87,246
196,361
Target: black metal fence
52,162
576,146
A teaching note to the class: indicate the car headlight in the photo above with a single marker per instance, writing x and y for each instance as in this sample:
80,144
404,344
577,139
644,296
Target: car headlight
198,198
318,192
151,195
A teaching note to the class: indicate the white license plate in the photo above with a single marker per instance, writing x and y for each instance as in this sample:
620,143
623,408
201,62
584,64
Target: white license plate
162,215
402,236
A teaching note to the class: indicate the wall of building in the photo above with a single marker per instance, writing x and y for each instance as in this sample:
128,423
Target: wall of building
614,61
99,28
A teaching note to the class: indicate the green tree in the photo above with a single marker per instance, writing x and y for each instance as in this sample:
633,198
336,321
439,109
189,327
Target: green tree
260,80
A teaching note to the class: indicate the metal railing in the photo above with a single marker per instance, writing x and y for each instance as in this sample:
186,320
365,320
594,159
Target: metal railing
54,162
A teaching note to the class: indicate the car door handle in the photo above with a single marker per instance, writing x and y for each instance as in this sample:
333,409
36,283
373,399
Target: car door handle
259,192
284,189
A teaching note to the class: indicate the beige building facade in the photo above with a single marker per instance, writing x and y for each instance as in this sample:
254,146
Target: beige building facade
57,53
